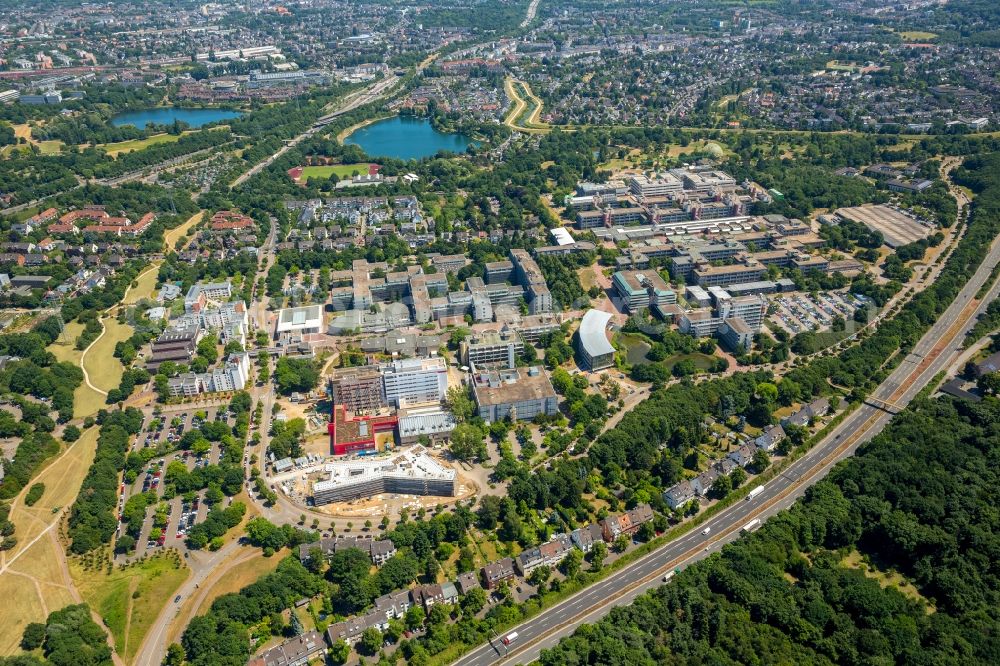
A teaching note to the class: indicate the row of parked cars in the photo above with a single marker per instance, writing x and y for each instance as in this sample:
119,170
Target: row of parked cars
189,512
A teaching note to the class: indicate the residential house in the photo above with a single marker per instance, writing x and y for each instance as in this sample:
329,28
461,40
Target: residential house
427,595
627,523
702,483
679,495
815,409
496,572
743,455
467,582
449,593
770,438
395,604
585,537
296,651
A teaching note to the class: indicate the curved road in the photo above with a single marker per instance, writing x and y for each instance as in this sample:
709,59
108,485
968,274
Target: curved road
935,352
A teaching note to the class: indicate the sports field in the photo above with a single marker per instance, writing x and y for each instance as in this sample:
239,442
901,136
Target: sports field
339,170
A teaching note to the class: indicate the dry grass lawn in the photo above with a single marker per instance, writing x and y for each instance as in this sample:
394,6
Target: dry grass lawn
86,401
111,595
854,560
246,571
145,285
104,369
36,582
116,149
172,236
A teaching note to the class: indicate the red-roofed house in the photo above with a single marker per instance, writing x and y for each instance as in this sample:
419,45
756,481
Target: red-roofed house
226,220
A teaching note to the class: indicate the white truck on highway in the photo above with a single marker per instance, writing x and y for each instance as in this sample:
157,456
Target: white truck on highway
509,638
753,493
752,526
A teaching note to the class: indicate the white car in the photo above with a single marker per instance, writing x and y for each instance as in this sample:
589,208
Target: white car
706,530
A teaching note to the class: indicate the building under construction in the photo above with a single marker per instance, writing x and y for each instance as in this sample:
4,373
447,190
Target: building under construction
410,472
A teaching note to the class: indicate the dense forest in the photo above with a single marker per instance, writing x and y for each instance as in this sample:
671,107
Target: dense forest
919,500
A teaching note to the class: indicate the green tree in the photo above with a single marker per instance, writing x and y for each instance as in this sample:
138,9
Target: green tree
460,403
989,383
467,443
738,477
473,601
760,461
33,636
340,652
721,487
570,565
597,555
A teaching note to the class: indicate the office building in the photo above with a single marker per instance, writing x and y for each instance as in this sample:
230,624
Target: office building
641,289
414,381
661,185
596,352
303,320
492,348
519,394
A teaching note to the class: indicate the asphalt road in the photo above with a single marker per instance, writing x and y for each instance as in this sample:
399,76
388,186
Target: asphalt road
935,351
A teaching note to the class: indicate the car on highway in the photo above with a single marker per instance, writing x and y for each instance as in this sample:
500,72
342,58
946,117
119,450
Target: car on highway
706,531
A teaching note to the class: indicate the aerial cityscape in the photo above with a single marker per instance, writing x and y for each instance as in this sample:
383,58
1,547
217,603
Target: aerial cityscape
477,332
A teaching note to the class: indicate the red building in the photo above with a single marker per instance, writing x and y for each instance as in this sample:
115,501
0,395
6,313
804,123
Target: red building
356,434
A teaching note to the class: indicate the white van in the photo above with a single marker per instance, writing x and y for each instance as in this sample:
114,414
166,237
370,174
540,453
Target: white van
706,531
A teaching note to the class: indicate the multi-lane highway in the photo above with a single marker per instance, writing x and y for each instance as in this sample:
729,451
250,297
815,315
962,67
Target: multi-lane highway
935,352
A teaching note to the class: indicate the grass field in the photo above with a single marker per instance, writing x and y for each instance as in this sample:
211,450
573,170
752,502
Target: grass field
116,149
145,285
854,560
23,131
701,361
339,170
86,401
917,36
50,147
113,596
36,583
239,577
587,277
104,369
171,237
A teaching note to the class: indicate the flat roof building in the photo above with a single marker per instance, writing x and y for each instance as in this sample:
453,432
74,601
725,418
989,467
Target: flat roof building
492,347
308,319
520,393
641,289
414,381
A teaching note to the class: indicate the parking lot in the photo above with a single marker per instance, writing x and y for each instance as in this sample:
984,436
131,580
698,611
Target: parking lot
797,313
164,433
